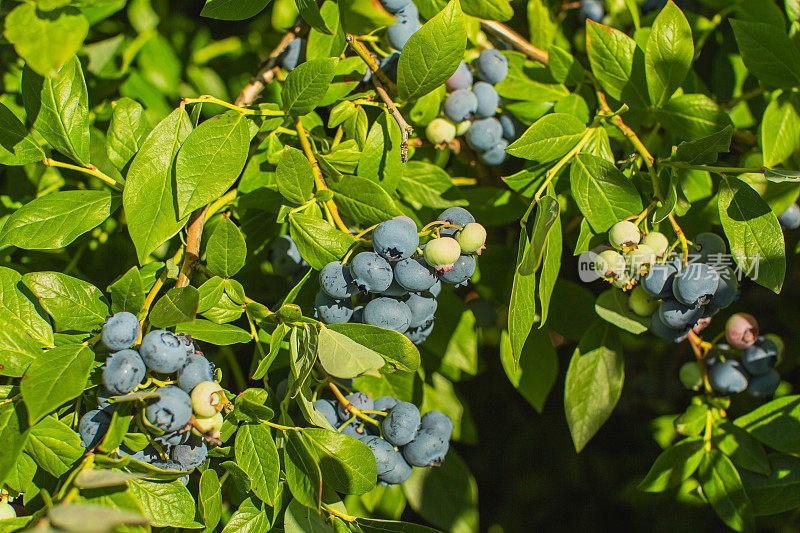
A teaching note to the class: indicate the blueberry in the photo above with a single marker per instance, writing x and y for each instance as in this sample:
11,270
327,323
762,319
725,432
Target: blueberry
163,351
458,216
658,282
727,289
123,371
194,371
667,333
384,453
436,288
728,377
485,134
495,156
360,401
461,78
103,397
285,257
394,290
422,309
395,239
624,234
460,105
358,314
462,270
371,272
170,466
657,241
393,6
401,424
741,330
471,238
765,385
414,274
509,124
609,264
492,66
190,455
677,315
790,219
695,284
653,5
488,101
173,438
592,10
407,12
401,31
384,403
355,430
332,311
326,408
171,411
120,331
399,471
389,65
711,245
427,449
146,455
336,281
93,426
388,313
420,334
759,358
293,54
438,422
440,131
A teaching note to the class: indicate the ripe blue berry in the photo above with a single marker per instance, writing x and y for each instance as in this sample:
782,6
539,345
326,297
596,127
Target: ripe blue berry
332,311
399,471
677,315
509,124
359,400
171,411
293,54
727,290
460,105
711,245
393,6
327,409
461,78
420,334
388,313
355,429
120,331
492,66
407,12
658,282
759,358
123,371
695,284
765,385
495,156
196,370
401,31
436,289
462,270
488,101
790,219
400,425
173,438
384,453
190,455
148,454
457,216
592,10
438,422
485,134
422,309
93,427
414,274
384,403
285,257
427,449
728,377
371,272
389,65
163,351
395,239
336,281
667,333
394,290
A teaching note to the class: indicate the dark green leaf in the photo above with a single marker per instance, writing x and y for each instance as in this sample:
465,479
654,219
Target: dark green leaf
73,303
603,193
776,424
17,146
319,242
295,176
257,454
673,466
768,53
226,249
233,9
723,489
346,463
178,305
56,377
669,53
399,352
306,85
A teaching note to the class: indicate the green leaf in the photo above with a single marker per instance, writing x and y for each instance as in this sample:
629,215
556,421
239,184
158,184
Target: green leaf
373,525
54,446
399,352
522,307
17,146
210,498
302,472
20,314
210,160
128,293
547,214
77,516
56,377
743,449
552,264
319,243
618,64
541,24
754,233
433,53
777,492
668,54
423,184
233,9
536,369
705,150
55,220
363,16
500,10
780,129
779,176
302,519
14,434
675,465
346,463
343,357
118,428
150,194
58,108
768,53
164,504
692,116
320,43
594,382
603,193
776,424
274,345
380,158
178,305
250,516
549,138
126,131
73,304
216,334
311,14
612,306
363,200
306,85
295,177
46,41
226,249
723,489
257,454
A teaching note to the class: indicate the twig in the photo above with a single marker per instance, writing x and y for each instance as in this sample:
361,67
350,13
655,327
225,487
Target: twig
192,253
267,71
364,54
405,127
696,343
89,169
517,40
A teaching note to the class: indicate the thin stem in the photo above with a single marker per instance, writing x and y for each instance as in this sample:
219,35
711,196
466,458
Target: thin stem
221,202
564,160
681,238
192,253
349,406
709,431
515,39
362,52
696,343
282,428
338,514
646,212
710,168
89,169
208,99
148,301
405,127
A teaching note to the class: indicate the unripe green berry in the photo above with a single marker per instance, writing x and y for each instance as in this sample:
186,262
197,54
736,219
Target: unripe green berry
691,375
609,264
463,127
210,425
640,302
7,511
440,131
640,259
624,234
207,399
657,241
442,253
472,238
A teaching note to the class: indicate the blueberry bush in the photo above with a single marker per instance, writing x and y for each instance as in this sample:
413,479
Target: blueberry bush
342,265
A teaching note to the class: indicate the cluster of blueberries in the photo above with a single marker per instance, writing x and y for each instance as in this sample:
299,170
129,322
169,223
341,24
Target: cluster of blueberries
595,10
753,372
180,417
470,109
790,219
401,440
395,286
